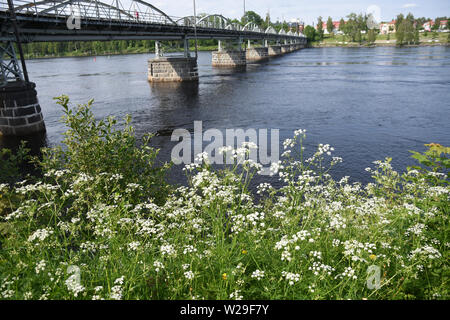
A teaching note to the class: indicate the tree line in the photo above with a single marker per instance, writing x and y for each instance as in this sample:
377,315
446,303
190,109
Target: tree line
407,28
80,48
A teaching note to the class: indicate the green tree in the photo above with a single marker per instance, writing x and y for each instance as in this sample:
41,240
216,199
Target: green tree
372,36
358,36
342,25
405,32
351,27
310,33
252,16
330,25
416,37
400,34
320,28
361,21
409,28
399,20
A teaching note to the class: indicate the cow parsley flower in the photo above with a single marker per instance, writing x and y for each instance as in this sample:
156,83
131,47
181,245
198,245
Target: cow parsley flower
258,274
189,275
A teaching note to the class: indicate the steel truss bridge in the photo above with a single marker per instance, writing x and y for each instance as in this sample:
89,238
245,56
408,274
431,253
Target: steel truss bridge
47,20
24,21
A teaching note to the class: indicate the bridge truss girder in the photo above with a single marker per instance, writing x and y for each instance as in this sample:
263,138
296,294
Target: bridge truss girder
9,64
46,20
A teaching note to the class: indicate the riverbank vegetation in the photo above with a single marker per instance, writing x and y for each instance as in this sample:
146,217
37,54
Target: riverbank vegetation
356,31
94,48
425,39
99,222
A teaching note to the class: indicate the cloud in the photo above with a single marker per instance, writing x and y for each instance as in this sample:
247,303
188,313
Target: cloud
409,5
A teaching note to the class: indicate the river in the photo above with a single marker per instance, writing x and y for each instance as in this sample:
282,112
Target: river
368,103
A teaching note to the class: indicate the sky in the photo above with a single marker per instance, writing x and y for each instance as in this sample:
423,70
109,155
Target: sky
305,10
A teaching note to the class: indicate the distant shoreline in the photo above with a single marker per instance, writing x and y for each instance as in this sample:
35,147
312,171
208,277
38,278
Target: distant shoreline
87,55
355,45
315,45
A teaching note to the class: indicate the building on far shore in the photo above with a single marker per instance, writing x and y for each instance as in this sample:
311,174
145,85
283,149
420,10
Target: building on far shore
387,27
336,29
428,25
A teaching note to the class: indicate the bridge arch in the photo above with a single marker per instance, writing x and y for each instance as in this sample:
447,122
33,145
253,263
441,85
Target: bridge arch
271,30
138,10
251,26
216,21
213,20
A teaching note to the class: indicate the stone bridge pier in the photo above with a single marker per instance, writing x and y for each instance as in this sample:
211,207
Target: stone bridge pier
274,50
230,54
285,48
257,54
172,69
229,57
20,112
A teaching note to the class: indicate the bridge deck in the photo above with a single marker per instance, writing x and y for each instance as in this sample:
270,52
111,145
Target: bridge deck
53,28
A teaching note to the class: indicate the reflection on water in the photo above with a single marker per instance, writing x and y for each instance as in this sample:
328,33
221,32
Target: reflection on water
369,103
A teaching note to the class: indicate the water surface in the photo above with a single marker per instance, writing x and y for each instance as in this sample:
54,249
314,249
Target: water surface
368,103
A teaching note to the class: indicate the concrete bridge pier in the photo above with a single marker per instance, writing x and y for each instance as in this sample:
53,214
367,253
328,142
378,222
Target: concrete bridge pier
172,69
229,57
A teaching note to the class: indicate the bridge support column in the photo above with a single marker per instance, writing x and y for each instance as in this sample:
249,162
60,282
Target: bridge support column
256,54
158,52
274,50
285,48
229,58
20,112
172,69
186,48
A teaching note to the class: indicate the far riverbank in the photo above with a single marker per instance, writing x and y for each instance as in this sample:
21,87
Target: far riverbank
376,44
94,54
